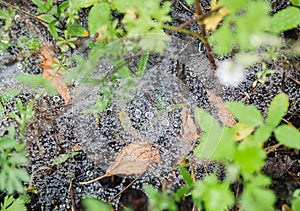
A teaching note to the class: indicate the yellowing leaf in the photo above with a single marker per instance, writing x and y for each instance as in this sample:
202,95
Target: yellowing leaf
223,113
56,78
132,159
241,131
212,21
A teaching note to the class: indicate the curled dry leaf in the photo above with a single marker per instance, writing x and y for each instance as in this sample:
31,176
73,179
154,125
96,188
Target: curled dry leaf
223,113
132,159
56,78
190,132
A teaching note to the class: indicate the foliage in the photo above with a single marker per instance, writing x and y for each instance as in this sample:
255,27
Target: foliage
25,114
12,204
91,204
12,155
7,15
246,25
63,158
239,149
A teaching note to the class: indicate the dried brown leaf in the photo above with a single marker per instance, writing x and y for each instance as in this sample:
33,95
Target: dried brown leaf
132,159
190,132
56,78
223,113
135,159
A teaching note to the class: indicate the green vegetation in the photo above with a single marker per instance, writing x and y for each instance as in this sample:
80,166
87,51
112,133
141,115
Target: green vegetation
240,150
248,33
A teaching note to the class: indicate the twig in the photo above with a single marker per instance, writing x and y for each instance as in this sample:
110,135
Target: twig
122,191
71,193
204,35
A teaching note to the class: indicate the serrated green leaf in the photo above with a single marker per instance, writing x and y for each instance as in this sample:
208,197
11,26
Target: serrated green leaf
77,30
256,197
210,189
285,19
277,109
17,159
12,204
250,158
288,135
246,114
99,16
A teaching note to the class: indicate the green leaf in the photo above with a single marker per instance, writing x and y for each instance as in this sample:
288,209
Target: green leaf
288,136
296,200
63,158
17,159
215,195
99,16
222,40
245,114
262,134
186,175
8,94
77,4
217,142
122,5
296,3
249,157
61,8
285,19
142,64
52,28
77,30
92,204
1,112
12,204
277,109
256,197
35,80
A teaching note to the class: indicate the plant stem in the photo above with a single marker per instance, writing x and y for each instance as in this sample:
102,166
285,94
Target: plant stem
204,35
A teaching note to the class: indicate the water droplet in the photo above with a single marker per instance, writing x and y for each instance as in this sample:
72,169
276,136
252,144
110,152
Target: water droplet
149,115
165,122
19,66
137,113
89,173
193,74
56,99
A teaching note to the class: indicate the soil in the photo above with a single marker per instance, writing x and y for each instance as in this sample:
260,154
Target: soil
180,76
